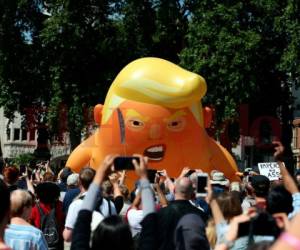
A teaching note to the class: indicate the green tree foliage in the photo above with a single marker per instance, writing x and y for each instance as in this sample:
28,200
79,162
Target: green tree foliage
171,27
23,159
21,70
80,38
288,25
137,28
240,50
248,53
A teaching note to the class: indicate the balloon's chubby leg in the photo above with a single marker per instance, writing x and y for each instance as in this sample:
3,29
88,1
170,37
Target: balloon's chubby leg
221,160
82,154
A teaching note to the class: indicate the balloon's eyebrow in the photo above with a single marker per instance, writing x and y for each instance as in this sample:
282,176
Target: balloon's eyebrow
177,114
131,113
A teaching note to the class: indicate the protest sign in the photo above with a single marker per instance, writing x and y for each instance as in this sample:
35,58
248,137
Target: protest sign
270,170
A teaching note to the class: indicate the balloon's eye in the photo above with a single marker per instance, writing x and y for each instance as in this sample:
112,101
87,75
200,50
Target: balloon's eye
176,125
137,123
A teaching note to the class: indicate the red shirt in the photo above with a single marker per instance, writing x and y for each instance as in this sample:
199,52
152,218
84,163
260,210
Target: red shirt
35,217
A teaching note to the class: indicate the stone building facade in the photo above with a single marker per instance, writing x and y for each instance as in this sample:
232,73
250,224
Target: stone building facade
14,140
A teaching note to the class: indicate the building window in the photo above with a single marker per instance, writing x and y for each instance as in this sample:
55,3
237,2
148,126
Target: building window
8,134
16,134
24,135
32,135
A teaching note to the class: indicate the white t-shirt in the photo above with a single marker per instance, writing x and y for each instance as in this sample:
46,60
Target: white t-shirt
97,217
125,207
134,218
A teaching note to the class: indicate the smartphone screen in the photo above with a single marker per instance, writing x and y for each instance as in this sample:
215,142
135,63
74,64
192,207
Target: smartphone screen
201,184
243,229
151,175
125,163
22,169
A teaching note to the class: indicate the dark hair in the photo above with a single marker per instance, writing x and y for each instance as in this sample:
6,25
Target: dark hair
5,201
238,195
11,175
1,166
86,177
230,205
279,200
261,185
262,224
112,233
47,192
65,174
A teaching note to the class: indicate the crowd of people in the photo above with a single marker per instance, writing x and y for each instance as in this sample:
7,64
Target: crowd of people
94,209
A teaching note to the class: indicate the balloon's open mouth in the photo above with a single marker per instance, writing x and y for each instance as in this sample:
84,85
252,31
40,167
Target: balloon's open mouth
155,153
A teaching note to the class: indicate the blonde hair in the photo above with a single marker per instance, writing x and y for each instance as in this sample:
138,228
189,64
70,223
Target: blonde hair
19,199
156,81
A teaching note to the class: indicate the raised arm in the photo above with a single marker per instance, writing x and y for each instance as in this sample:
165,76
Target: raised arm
146,191
288,180
82,229
169,183
29,183
161,196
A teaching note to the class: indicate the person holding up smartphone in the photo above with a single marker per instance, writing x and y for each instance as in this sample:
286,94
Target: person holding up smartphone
170,216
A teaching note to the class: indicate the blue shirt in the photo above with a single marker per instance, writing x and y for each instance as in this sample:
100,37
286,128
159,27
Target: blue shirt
23,237
69,197
296,205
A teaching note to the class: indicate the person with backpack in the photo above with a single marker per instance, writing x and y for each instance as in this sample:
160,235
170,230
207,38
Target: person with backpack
47,214
103,209
19,234
112,233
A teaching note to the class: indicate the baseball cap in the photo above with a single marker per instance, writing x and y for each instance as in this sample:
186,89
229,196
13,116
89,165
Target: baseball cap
261,185
218,178
73,180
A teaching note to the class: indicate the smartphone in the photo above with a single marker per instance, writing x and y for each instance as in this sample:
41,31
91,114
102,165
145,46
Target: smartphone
22,169
125,163
160,173
202,179
243,229
151,175
191,171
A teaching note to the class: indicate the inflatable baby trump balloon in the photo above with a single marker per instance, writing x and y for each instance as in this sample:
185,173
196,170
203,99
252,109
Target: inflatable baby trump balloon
153,108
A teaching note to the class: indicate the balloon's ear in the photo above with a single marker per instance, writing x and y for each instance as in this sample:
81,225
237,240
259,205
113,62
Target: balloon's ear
207,116
98,113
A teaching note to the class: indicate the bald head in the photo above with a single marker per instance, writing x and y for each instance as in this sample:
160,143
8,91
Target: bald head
183,189
19,200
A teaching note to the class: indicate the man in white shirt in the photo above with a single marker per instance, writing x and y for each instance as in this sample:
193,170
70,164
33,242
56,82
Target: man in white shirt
105,208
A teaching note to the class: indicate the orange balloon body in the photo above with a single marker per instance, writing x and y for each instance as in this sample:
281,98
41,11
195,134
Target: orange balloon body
172,138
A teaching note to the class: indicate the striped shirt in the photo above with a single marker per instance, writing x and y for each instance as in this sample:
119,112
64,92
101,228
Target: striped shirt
24,237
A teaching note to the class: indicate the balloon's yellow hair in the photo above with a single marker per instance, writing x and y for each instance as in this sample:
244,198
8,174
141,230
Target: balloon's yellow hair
156,81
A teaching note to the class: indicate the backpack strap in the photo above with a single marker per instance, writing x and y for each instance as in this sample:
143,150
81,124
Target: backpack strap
81,197
40,209
109,206
42,215
99,203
